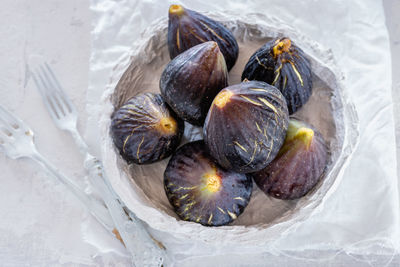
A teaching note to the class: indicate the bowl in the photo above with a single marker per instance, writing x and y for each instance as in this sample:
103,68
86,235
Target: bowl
265,219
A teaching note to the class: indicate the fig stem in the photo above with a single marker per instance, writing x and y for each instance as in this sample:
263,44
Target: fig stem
212,182
222,98
176,10
282,47
306,135
167,125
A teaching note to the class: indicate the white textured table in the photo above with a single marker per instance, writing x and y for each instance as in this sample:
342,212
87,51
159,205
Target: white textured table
41,222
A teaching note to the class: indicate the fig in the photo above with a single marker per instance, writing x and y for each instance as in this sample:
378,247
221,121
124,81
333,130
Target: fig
299,165
246,126
285,66
187,28
145,130
190,81
201,191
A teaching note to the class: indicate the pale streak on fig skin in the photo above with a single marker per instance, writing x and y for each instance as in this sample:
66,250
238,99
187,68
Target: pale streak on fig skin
138,149
198,37
297,73
129,136
221,210
213,32
240,146
261,64
210,218
258,128
250,100
178,43
277,74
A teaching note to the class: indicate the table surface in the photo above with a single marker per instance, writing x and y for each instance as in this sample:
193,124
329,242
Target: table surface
60,31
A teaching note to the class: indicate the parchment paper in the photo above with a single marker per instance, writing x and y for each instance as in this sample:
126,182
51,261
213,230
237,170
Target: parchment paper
360,214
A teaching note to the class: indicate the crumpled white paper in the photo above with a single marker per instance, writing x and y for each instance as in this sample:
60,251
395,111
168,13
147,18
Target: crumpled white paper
362,215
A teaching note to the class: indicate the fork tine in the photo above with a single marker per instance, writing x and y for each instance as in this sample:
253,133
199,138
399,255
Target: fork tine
47,103
53,79
54,89
49,95
9,120
53,76
2,138
5,130
58,96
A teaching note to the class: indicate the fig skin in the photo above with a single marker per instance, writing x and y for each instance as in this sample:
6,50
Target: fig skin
203,192
285,66
187,28
190,81
145,130
246,126
299,165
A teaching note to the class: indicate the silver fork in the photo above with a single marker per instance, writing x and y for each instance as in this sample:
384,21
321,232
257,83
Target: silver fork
142,247
17,141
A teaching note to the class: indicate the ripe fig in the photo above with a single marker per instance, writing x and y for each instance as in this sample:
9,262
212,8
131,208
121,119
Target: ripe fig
299,165
201,191
190,81
285,66
144,129
187,28
246,126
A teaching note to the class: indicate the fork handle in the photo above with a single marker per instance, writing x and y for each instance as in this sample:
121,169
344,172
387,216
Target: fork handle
137,240
98,210
82,146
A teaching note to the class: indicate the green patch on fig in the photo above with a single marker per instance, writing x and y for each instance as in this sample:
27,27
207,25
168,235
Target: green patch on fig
299,165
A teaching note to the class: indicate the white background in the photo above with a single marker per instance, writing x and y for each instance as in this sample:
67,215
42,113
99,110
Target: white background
40,222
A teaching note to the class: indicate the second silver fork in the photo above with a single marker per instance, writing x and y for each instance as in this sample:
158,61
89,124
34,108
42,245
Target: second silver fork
138,241
17,141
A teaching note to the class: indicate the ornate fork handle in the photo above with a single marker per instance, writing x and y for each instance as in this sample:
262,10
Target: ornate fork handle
137,240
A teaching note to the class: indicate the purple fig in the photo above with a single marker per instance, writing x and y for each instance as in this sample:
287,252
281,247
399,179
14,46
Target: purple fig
299,165
145,130
246,126
187,28
285,66
201,191
190,81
